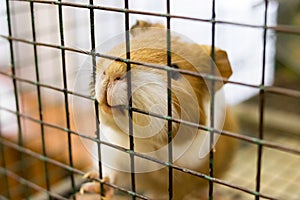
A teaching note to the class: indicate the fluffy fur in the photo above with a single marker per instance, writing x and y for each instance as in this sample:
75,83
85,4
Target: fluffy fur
190,102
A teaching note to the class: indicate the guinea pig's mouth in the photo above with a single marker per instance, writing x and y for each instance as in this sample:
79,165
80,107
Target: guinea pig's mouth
116,106
109,107
120,107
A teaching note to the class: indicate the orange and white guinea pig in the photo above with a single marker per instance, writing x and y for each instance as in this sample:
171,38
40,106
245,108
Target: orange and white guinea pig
191,98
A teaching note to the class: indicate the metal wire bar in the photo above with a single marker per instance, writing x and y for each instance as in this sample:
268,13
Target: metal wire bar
16,95
249,139
169,100
212,102
129,98
65,85
241,137
97,122
261,106
281,91
185,170
44,85
39,98
278,28
65,166
30,184
263,90
269,89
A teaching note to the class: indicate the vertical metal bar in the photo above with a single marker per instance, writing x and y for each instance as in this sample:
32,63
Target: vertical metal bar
212,103
129,96
97,122
39,98
169,101
20,132
261,106
3,164
65,85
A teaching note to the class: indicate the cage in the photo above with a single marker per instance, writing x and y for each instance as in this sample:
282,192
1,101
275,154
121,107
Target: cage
48,117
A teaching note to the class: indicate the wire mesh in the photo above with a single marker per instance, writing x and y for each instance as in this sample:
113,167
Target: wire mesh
28,185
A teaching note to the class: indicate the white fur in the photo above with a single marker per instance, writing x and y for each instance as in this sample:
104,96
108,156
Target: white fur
149,93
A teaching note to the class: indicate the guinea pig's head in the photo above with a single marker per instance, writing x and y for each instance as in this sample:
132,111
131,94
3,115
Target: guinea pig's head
148,93
149,86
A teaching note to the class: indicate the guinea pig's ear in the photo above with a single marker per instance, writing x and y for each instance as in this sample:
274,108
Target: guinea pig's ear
223,64
221,61
141,26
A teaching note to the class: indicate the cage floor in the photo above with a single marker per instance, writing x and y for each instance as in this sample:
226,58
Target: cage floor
280,173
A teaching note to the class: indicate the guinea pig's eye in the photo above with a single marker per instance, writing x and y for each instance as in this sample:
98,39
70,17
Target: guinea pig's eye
104,73
119,78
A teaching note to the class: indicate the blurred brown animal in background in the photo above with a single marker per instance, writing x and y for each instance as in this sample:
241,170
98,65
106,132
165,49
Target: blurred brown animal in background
56,145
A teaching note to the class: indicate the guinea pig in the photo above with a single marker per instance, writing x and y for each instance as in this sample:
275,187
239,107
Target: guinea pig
147,88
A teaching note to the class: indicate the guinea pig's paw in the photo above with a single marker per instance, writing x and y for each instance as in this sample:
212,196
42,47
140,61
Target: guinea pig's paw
95,187
91,175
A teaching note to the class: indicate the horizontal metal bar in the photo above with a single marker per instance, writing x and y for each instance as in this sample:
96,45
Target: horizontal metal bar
44,85
238,136
182,169
282,91
57,163
268,89
48,124
29,183
279,28
262,88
